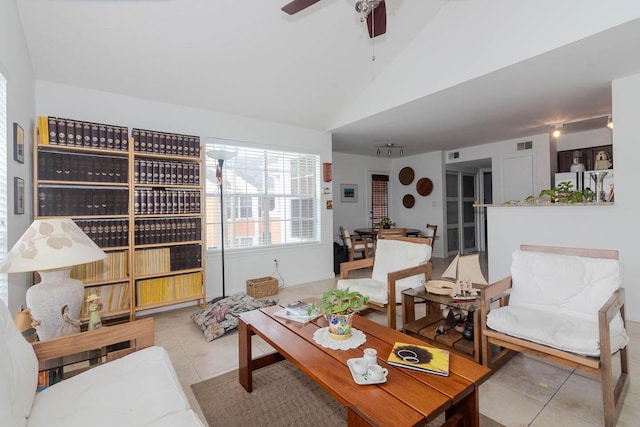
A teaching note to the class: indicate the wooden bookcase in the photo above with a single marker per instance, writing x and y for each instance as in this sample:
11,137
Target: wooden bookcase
155,250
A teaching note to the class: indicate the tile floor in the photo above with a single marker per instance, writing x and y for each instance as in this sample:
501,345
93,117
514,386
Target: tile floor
524,392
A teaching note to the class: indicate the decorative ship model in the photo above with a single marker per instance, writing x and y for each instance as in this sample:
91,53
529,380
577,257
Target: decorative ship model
465,272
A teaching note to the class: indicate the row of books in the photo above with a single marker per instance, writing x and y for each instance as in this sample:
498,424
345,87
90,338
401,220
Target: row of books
114,267
165,172
106,233
149,141
81,167
167,289
160,230
114,297
72,201
77,133
160,201
164,260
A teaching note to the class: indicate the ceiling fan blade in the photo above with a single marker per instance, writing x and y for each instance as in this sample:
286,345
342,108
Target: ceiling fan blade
297,5
377,20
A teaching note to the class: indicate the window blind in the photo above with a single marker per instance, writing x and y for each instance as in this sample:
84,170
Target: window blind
270,197
379,197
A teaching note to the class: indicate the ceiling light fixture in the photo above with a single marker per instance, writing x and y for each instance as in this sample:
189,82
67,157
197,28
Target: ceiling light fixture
389,148
557,132
610,123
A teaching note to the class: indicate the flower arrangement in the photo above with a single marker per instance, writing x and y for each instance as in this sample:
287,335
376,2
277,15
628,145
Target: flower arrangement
385,222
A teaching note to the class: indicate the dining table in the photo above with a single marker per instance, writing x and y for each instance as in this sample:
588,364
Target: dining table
371,233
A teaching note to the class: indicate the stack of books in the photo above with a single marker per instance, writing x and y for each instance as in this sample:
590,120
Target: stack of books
298,311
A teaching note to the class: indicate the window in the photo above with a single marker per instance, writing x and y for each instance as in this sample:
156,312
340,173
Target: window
4,287
270,197
379,197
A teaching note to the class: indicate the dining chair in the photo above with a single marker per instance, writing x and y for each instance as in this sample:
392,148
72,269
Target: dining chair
431,232
386,232
355,244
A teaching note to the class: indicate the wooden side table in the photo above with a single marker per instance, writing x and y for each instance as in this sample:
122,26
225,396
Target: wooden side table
425,327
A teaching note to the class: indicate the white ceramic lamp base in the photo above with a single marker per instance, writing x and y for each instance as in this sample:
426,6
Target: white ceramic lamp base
46,299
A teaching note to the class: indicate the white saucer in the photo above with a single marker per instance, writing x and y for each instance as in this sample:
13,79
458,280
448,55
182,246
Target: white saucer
363,379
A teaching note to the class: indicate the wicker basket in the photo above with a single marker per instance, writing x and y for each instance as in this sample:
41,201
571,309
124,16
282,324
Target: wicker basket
262,287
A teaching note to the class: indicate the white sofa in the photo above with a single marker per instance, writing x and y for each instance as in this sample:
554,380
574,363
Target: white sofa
139,389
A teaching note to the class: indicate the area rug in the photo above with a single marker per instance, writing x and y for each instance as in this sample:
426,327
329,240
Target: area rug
282,396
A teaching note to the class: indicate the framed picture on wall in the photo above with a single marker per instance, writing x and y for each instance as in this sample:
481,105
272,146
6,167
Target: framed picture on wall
18,196
348,193
18,143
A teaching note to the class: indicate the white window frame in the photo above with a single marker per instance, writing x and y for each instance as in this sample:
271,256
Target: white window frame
267,182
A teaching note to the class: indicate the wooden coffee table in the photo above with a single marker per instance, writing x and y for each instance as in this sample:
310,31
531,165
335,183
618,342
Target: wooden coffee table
407,398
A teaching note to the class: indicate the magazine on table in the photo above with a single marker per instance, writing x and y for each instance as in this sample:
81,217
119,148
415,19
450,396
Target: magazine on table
300,319
420,358
299,308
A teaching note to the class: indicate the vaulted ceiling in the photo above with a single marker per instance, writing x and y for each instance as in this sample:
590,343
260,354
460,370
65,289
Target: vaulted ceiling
448,73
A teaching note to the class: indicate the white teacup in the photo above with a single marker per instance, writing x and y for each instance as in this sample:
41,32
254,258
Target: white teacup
359,366
376,372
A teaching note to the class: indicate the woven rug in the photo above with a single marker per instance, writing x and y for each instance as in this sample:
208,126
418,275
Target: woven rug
282,396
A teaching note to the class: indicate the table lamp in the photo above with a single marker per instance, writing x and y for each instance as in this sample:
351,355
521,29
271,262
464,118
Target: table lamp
51,247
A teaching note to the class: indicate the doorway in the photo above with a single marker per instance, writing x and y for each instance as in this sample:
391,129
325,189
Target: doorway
466,184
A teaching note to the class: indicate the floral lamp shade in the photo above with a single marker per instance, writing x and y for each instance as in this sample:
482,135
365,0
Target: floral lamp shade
51,247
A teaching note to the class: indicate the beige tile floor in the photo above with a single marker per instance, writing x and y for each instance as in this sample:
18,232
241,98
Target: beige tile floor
524,392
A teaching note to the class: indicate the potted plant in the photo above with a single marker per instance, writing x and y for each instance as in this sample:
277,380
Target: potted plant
338,306
385,222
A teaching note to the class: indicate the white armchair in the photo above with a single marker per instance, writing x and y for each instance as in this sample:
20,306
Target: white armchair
139,389
400,263
565,305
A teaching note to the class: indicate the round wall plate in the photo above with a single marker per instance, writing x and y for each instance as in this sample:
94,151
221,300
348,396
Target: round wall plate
406,175
408,201
424,186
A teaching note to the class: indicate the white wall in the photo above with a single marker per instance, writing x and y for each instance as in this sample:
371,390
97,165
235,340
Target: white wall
502,151
607,227
354,169
314,262
15,66
427,209
590,138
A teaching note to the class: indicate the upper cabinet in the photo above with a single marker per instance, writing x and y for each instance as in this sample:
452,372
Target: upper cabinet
588,157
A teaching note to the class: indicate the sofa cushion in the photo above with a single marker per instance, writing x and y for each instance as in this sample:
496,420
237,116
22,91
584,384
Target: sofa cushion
394,255
575,333
572,283
218,318
138,390
18,372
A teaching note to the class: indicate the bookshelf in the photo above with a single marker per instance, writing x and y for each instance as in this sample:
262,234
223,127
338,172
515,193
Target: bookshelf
139,198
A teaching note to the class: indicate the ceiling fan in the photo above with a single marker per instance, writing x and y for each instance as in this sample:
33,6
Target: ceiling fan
373,11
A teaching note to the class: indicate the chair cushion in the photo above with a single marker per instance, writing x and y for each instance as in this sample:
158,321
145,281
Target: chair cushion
394,255
377,291
575,333
572,283
137,390
18,372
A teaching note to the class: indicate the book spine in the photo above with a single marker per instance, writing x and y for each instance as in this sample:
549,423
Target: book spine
86,134
102,136
52,131
71,132
110,138
62,131
124,138
143,141
79,133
